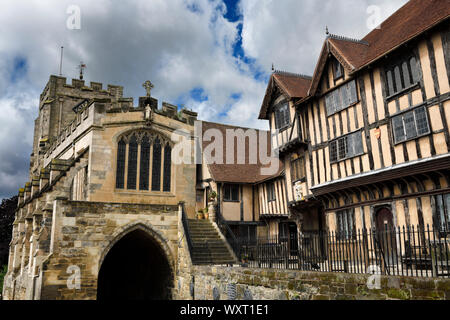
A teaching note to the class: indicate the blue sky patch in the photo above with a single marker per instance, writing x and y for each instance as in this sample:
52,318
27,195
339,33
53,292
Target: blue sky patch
20,69
233,13
198,94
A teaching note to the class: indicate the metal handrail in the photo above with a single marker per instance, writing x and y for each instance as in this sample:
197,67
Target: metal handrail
235,245
186,227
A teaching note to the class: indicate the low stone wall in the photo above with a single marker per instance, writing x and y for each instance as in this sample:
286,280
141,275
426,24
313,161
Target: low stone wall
260,284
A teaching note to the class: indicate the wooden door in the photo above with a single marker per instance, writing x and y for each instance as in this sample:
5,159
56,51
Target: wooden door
386,237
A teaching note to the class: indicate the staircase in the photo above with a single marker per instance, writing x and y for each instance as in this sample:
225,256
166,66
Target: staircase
208,248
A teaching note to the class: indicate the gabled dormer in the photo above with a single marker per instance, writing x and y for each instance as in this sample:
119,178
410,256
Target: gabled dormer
283,91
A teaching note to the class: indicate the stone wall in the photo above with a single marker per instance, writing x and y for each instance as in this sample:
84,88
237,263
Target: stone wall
267,284
81,236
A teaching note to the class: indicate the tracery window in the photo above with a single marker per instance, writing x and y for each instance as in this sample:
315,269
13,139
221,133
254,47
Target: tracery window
156,173
120,174
145,152
167,166
132,163
145,164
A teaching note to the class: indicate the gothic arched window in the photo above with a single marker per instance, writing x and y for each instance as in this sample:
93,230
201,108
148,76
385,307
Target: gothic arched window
132,163
156,169
120,174
167,166
145,164
148,161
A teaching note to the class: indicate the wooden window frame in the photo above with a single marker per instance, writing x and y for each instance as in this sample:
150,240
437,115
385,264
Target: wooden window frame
337,65
336,140
403,114
331,95
271,194
412,83
343,217
443,227
294,174
285,124
230,186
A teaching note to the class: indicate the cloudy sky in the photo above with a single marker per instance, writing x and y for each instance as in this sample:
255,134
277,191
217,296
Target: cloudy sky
211,56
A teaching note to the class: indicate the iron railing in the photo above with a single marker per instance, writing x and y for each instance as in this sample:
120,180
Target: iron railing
233,241
186,226
407,251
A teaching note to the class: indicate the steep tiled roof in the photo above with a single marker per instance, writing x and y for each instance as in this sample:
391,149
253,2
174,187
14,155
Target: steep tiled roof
414,18
291,84
237,173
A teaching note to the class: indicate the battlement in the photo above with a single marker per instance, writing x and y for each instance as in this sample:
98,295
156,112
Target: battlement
58,84
84,118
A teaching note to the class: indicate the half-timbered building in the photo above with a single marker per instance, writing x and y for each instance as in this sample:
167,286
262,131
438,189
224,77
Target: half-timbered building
365,141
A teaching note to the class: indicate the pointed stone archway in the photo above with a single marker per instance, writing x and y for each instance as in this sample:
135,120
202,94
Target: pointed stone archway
136,266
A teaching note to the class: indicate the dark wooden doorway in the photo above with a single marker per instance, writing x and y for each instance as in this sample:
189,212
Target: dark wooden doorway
287,231
386,236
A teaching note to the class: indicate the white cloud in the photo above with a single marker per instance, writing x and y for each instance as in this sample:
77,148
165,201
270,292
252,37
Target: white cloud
290,33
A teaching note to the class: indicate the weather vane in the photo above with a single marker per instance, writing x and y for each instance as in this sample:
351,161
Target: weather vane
148,87
81,66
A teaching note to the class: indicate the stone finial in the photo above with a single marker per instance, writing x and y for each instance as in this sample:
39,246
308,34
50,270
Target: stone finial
326,31
148,87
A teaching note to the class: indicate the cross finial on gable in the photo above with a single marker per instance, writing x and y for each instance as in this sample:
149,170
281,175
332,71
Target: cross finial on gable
148,87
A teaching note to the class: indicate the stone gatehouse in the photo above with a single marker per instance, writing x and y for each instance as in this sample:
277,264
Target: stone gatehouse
103,197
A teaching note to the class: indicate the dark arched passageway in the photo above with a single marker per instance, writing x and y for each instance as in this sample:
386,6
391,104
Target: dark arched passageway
136,268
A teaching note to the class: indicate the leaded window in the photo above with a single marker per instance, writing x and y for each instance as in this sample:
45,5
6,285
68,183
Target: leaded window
120,173
346,147
132,163
231,192
338,69
282,118
167,167
345,224
410,125
271,191
156,171
341,98
298,169
145,151
401,75
145,164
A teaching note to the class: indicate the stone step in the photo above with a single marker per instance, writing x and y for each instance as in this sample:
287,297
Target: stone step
208,248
